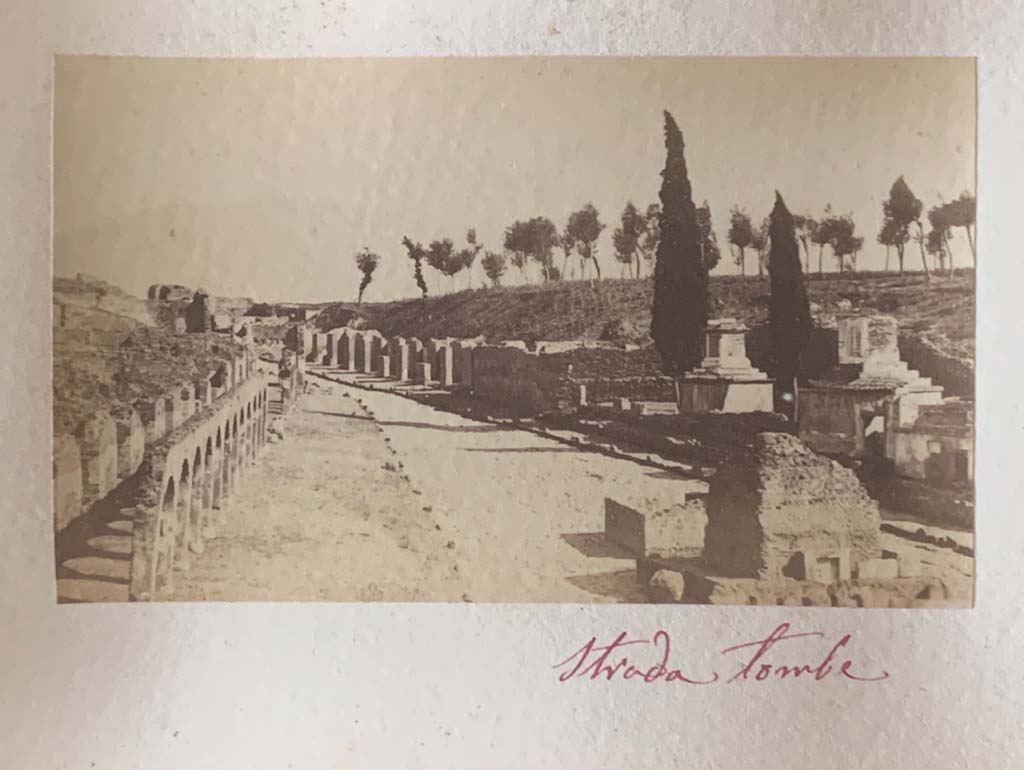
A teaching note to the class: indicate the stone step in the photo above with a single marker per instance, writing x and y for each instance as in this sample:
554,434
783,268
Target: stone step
100,567
117,544
85,590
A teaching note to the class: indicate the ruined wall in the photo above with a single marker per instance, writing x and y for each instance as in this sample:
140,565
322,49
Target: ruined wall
548,378
522,379
783,503
184,479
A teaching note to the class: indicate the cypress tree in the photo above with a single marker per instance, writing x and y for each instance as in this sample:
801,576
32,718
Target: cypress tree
789,313
680,310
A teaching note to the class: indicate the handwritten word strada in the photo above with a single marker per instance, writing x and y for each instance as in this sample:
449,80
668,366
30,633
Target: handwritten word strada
649,660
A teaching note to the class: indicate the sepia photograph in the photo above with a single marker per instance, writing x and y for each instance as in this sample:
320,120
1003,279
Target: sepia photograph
518,330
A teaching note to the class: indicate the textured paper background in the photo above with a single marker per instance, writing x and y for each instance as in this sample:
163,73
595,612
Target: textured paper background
396,686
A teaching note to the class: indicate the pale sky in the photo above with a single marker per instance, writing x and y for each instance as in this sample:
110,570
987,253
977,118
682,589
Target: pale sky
264,178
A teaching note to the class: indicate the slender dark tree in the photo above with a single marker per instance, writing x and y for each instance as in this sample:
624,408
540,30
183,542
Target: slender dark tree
680,310
789,314
416,254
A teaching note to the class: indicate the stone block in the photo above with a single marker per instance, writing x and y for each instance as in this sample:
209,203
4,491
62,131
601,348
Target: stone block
825,568
398,356
784,506
878,569
346,355
622,404
660,521
462,361
666,586
653,407
909,566
384,366
422,375
699,395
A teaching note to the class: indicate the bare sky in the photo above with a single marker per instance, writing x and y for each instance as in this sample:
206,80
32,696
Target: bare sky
263,178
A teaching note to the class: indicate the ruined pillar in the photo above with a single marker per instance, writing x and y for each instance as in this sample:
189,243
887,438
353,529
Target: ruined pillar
346,350
422,376
97,442
398,354
67,480
462,362
131,441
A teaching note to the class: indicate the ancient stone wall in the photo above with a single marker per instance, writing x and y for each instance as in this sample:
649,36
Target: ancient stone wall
788,512
184,479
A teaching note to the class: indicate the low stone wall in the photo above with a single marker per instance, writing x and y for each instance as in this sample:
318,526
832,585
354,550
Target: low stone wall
549,378
533,383
599,390
184,478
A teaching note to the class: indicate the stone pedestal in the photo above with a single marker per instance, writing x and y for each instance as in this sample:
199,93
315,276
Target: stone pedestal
725,380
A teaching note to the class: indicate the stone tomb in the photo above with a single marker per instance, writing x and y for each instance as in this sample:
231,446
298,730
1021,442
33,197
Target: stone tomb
788,512
725,380
659,520
862,415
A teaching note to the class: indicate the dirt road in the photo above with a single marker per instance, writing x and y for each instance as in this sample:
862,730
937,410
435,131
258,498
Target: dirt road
325,514
374,497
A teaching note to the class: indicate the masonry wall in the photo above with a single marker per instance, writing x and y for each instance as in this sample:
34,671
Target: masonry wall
184,479
784,501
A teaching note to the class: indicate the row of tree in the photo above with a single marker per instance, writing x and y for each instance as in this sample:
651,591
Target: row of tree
901,224
639,234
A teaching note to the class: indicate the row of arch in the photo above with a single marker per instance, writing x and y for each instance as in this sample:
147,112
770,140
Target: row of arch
200,473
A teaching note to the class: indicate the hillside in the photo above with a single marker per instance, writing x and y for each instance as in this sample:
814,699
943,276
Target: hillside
940,312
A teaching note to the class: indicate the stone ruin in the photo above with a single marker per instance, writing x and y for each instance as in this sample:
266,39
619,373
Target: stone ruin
874,404
726,381
789,513
199,314
786,527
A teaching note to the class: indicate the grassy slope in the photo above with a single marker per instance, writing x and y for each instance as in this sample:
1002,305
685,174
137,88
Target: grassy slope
941,311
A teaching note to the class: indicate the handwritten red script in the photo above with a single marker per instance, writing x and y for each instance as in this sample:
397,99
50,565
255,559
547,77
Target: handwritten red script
649,660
